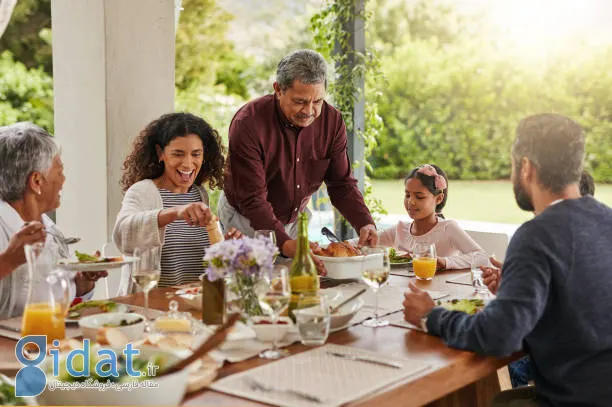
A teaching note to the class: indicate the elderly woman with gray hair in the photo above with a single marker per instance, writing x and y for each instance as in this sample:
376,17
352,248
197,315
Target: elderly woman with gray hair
31,178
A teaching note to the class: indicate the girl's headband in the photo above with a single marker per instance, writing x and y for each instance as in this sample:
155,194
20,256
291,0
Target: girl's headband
430,171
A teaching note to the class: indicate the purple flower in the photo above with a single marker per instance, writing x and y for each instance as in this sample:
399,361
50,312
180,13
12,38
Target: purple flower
247,256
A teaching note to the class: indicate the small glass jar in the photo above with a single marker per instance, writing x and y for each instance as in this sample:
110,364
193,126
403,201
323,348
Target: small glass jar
174,321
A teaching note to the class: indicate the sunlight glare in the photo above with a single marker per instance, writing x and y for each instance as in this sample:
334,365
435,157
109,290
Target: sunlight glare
542,23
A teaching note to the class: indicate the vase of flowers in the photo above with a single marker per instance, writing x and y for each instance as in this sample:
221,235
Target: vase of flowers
240,264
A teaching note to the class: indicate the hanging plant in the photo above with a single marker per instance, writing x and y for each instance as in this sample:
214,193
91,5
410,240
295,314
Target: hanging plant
332,40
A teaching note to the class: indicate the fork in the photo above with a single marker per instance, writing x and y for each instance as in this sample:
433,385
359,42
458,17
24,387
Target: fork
60,237
258,386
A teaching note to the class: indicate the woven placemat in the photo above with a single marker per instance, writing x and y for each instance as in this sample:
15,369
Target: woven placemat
318,374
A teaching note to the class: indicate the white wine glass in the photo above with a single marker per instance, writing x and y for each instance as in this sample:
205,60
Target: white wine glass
274,293
375,273
146,273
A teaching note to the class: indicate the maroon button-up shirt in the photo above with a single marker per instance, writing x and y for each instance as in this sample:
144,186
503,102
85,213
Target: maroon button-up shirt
274,167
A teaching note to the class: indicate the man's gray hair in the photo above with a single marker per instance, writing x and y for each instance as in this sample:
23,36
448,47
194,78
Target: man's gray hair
24,149
305,65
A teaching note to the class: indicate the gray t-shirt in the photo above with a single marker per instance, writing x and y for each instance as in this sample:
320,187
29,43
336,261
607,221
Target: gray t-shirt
554,301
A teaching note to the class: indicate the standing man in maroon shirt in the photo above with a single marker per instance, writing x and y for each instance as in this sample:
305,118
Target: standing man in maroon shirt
281,148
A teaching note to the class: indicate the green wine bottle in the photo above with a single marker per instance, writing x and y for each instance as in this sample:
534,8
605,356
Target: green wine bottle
303,276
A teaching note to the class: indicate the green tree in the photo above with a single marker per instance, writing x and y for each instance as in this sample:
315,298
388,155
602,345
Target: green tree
204,55
25,94
28,35
454,93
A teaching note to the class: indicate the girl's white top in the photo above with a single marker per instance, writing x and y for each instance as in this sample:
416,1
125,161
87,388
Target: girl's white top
452,243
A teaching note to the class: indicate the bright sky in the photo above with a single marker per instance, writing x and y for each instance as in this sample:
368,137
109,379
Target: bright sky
535,23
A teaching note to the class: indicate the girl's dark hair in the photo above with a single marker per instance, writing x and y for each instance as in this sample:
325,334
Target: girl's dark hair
430,183
143,162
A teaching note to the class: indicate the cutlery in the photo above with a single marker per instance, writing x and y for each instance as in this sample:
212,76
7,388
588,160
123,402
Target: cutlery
60,237
328,282
10,328
334,309
212,342
329,234
72,240
394,365
255,385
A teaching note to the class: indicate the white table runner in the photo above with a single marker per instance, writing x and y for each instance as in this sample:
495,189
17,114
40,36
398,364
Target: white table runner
334,380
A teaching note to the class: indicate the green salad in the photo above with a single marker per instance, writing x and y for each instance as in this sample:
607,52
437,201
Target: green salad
7,394
394,258
469,306
84,257
75,311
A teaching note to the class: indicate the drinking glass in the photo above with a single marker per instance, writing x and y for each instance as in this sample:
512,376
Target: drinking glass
146,274
478,260
313,318
375,273
424,261
274,293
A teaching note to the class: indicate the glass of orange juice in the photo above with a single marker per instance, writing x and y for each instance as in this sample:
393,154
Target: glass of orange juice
424,261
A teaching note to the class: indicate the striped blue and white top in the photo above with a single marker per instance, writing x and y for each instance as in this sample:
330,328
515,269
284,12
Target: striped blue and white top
184,245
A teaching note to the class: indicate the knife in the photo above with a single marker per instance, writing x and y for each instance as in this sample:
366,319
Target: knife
334,309
394,365
329,234
10,328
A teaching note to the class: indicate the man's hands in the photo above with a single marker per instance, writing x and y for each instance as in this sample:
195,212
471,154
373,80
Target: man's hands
368,236
491,276
14,255
417,303
290,248
233,233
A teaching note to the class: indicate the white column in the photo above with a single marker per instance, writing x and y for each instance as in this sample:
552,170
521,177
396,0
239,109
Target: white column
113,70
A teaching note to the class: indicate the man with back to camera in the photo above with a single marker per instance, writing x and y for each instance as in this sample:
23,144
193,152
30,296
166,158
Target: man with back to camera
555,299
281,148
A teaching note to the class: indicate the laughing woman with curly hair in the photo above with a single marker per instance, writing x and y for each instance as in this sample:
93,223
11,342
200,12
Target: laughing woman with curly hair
165,203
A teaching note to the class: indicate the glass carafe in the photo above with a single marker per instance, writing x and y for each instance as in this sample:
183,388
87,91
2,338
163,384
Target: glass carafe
48,293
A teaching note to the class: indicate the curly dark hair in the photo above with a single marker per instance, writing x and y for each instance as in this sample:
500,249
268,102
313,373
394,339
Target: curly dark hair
430,184
143,162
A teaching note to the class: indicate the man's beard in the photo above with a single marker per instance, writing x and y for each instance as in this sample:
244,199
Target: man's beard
523,200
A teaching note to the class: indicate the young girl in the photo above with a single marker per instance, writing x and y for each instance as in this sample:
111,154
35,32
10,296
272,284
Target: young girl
426,193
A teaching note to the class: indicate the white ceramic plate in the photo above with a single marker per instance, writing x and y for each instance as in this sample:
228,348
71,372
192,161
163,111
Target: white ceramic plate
74,265
193,300
407,265
235,339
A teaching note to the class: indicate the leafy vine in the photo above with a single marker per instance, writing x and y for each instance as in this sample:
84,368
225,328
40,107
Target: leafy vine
332,40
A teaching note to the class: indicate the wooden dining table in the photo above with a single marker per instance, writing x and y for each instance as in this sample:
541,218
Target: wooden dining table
455,378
